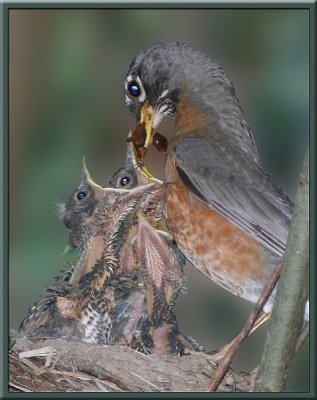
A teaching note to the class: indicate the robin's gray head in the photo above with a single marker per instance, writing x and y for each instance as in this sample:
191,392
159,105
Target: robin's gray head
167,75
154,83
154,78
159,75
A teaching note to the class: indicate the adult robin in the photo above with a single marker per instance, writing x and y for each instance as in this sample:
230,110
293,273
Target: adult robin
220,203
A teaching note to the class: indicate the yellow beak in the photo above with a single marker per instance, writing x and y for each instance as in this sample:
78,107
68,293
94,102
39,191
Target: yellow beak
147,117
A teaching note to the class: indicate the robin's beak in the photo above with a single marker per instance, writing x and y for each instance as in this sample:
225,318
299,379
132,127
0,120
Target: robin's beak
147,117
150,119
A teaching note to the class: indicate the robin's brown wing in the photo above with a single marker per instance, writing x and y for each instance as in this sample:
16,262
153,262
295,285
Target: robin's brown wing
232,183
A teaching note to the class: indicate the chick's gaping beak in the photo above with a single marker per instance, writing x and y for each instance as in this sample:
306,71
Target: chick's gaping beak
87,177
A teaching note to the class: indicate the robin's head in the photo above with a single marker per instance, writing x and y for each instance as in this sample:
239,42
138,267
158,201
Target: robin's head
171,76
154,82
160,75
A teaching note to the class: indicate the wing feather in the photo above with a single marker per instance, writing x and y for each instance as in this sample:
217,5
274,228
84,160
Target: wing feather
231,182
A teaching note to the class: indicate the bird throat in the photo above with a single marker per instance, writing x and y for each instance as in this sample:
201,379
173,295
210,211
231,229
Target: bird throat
188,117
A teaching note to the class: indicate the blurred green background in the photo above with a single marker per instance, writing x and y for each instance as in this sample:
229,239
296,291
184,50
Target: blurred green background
67,70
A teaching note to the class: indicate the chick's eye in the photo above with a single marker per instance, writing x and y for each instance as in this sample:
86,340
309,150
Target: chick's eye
124,181
134,89
81,195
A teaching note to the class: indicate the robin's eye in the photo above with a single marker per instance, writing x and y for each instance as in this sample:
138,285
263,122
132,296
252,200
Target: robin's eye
81,195
124,181
134,89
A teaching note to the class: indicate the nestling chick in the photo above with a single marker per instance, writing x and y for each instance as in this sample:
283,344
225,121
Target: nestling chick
123,286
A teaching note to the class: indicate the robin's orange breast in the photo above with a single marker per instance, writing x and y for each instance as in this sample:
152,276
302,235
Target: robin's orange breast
216,247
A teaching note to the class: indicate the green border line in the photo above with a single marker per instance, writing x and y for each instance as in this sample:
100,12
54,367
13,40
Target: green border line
5,194
4,13
158,5
312,195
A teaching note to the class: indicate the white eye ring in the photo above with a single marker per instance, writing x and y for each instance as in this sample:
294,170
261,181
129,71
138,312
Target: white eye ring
141,98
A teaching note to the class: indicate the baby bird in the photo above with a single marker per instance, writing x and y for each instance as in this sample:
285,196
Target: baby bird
80,305
160,269
123,285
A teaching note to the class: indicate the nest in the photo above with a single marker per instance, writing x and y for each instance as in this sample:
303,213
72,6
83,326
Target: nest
53,365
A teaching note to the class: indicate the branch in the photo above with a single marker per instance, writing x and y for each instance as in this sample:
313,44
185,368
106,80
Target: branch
287,314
